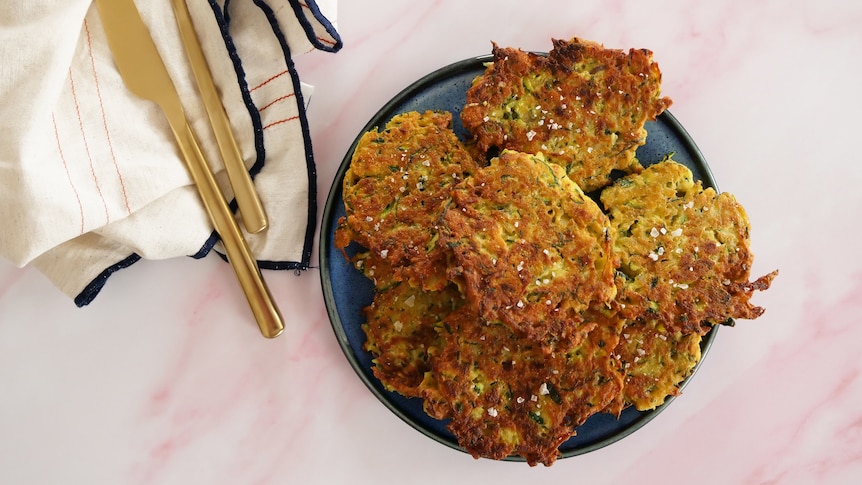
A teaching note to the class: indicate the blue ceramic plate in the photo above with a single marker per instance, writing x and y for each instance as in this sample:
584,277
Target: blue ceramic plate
346,291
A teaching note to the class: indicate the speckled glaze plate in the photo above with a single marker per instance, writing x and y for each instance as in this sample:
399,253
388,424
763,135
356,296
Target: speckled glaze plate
346,291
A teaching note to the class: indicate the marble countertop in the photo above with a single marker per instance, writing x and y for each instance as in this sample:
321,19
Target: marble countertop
165,379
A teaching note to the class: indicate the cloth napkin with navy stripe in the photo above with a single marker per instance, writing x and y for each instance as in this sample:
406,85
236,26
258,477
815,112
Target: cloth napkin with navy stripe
91,180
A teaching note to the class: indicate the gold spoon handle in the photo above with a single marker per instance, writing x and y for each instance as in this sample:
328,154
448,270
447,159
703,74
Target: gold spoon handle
250,206
266,313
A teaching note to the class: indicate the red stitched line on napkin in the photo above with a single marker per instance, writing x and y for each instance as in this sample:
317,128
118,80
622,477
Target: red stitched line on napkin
277,100
282,73
281,121
105,119
68,175
87,146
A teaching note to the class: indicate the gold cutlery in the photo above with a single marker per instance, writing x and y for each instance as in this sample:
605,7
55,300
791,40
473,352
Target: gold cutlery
250,206
145,74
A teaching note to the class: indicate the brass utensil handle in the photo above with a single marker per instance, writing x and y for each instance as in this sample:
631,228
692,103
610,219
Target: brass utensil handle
250,206
266,313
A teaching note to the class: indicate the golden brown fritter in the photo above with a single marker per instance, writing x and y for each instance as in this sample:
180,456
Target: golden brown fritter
684,250
533,251
394,189
583,106
654,363
400,329
505,395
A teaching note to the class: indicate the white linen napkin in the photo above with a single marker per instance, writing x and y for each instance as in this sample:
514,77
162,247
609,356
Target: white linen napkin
91,179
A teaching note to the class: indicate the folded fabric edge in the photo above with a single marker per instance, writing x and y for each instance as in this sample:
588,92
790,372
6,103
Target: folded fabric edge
311,168
327,45
89,293
298,267
223,21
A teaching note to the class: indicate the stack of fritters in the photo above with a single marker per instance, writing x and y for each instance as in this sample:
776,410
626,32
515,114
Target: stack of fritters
506,298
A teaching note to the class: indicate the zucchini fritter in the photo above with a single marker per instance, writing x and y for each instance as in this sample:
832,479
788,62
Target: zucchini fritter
400,331
506,395
533,251
654,363
394,189
684,250
583,106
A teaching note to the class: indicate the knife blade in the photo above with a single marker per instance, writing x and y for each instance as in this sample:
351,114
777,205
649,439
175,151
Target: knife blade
145,74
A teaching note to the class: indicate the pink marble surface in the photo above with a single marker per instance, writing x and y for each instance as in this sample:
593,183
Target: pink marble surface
164,378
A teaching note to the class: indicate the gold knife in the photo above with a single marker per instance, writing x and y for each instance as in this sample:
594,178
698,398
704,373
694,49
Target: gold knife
250,206
145,74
